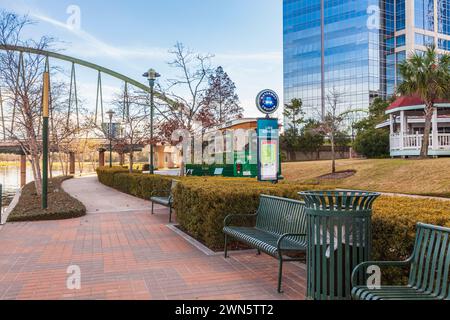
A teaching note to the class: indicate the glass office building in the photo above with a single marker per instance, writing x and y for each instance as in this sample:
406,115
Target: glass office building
353,47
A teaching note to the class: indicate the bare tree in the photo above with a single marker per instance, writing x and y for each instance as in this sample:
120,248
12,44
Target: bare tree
21,79
191,85
334,122
65,131
135,126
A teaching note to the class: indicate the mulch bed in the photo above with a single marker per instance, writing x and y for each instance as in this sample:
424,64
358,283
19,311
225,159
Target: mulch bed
60,204
338,175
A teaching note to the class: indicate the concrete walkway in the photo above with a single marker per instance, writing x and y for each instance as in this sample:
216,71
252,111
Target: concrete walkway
98,198
123,252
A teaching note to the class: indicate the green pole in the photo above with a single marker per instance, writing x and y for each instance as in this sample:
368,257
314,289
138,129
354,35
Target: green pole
151,75
45,141
110,143
152,85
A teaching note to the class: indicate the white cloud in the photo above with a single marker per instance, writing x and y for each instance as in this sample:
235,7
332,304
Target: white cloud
95,47
252,71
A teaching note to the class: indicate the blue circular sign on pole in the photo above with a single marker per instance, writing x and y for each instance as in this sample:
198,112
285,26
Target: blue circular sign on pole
267,101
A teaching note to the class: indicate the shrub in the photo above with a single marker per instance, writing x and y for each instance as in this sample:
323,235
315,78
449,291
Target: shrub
372,143
60,204
137,184
394,227
106,175
202,203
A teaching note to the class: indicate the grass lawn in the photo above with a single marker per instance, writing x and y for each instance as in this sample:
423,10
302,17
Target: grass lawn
421,177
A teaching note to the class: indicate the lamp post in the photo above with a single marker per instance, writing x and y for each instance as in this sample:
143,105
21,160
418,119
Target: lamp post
45,115
151,75
111,114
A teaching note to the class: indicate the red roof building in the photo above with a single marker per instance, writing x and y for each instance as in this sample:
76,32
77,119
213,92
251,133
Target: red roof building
407,123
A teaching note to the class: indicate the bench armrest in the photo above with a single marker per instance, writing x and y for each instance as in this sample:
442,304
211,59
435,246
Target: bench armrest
229,217
284,236
378,263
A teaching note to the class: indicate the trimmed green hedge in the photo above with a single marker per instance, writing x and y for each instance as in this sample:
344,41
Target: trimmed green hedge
137,184
201,204
60,204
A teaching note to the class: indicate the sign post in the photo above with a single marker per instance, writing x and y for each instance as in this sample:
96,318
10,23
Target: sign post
267,102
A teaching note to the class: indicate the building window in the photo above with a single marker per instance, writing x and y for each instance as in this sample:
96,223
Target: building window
444,44
400,15
444,16
401,41
401,56
424,14
423,40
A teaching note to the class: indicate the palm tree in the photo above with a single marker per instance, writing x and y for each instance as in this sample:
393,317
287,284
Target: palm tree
426,75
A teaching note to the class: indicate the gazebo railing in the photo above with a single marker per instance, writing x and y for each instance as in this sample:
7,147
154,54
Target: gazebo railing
414,141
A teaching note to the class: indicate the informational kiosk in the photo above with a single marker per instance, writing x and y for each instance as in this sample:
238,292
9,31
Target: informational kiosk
267,102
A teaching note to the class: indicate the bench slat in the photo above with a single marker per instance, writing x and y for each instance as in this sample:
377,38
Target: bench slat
429,275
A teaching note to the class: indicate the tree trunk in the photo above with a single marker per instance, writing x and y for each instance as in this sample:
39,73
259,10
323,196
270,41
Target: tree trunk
429,109
35,165
36,173
131,161
50,166
61,162
182,167
333,156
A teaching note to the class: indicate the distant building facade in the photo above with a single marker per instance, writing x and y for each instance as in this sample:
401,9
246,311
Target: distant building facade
354,47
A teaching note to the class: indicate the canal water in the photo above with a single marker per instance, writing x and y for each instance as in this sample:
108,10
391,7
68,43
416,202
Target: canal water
10,180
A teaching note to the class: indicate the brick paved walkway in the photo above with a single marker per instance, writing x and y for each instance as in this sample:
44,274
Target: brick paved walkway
125,253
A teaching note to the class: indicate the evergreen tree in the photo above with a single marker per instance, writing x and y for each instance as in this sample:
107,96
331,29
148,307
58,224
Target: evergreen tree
221,101
293,112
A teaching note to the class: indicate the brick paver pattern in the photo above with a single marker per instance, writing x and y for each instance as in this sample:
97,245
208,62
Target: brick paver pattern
125,253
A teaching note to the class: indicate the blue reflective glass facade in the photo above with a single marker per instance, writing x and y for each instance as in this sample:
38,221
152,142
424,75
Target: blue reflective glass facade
444,16
303,52
424,14
355,47
348,61
400,15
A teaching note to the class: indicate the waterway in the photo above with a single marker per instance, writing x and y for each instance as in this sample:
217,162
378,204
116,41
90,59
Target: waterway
10,180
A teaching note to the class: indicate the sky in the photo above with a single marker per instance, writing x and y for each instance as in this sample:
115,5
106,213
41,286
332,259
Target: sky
245,37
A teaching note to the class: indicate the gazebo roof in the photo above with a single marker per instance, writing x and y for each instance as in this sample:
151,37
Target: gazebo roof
412,103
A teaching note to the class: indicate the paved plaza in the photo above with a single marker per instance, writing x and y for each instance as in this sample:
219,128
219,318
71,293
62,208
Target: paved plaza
125,253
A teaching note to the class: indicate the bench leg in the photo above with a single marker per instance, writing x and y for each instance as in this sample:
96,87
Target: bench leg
280,273
170,214
152,207
259,252
226,247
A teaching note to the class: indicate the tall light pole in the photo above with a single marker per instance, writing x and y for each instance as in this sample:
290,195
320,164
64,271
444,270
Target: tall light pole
111,114
45,114
151,75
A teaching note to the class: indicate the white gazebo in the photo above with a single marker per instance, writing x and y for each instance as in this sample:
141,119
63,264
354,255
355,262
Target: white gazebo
407,123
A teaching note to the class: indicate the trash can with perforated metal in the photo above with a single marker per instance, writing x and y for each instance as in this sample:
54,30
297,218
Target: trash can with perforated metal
339,238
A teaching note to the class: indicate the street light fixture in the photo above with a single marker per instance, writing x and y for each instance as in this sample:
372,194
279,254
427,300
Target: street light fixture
151,76
111,114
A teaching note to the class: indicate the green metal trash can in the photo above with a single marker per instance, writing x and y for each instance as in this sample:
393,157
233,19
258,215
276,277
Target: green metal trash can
339,238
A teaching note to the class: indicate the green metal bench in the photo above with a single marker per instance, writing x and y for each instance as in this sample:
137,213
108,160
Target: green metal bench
166,201
280,228
429,277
